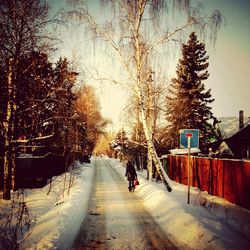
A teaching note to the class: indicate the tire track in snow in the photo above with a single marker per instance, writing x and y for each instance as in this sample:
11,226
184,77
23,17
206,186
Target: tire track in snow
117,218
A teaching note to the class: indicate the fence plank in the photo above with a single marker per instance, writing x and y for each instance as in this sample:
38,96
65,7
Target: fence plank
226,178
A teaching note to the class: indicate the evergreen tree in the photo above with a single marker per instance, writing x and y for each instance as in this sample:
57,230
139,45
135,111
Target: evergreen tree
121,144
188,102
62,105
34,84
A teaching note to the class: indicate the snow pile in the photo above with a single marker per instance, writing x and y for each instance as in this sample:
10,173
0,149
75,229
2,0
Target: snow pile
209,222
59,218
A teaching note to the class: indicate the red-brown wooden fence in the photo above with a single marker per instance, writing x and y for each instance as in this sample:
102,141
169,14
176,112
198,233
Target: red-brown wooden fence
226,178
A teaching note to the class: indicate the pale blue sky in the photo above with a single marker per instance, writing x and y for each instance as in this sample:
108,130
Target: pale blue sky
229,60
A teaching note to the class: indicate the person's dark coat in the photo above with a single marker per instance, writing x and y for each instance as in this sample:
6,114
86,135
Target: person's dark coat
130,172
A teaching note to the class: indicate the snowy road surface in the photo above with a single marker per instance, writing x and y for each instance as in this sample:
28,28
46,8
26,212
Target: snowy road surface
117,218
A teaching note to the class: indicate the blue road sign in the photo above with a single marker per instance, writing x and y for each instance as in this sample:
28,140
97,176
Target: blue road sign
193,134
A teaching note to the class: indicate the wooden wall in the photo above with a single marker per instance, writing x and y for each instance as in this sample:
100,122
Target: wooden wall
226,178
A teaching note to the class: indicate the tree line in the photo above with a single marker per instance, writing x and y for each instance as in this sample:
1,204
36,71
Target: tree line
39,99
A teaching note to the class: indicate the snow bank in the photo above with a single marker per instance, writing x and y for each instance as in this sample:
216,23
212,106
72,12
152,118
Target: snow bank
59,216
209,222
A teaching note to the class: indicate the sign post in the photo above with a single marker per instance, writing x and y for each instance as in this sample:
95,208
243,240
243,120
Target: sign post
189,138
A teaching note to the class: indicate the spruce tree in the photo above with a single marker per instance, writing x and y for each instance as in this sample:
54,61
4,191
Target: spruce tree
188,102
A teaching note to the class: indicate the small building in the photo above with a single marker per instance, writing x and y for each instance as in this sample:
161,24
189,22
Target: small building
239,143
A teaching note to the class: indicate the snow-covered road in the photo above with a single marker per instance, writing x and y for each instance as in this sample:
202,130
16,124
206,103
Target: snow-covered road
117,218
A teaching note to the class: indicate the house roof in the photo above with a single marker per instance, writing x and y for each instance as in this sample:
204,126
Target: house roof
230,125
240,132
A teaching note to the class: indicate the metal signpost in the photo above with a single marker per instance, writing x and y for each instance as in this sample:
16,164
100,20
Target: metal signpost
189,138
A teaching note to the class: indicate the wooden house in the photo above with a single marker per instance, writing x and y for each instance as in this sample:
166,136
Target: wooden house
239,143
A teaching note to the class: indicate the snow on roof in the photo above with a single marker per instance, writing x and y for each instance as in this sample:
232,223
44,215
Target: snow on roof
224,149
164,156
230,125
182,151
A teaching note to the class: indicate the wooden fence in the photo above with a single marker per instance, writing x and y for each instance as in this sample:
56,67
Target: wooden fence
34,171
226,178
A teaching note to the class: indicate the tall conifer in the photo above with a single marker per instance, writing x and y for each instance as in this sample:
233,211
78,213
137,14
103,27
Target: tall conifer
187,101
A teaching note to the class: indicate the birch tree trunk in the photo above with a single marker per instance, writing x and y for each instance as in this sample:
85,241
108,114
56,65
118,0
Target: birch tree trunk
149,124
138,46
8,127
151,149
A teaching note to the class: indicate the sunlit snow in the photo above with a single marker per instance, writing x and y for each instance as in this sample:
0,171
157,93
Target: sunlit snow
207,223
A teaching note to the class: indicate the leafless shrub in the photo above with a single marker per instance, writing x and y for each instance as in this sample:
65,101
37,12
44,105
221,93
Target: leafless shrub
16,223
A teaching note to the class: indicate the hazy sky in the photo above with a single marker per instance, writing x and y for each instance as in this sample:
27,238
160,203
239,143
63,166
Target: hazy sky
229,62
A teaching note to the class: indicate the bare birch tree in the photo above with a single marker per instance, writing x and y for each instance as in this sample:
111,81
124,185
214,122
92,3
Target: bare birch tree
134,35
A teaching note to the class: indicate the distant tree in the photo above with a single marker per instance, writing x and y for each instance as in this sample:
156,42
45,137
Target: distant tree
90,120
188,102
103,145
140,148
121,145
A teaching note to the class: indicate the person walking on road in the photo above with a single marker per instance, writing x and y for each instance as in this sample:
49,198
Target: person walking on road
131,175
